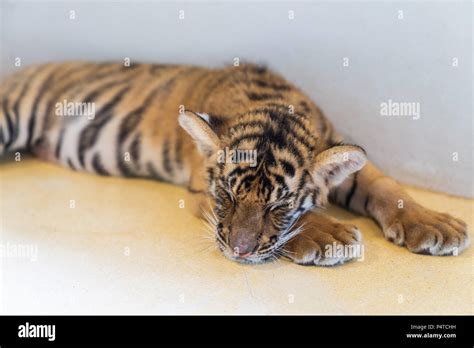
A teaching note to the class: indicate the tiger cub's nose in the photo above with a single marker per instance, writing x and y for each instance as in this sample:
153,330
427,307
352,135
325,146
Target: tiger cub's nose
243,249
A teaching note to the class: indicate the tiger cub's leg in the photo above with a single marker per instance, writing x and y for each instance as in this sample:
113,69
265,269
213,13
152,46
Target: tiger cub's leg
324,241
403,221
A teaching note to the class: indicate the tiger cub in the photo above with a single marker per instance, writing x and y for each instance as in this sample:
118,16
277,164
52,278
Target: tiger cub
243,137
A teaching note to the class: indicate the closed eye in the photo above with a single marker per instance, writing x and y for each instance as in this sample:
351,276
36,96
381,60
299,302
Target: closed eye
270,207
278,205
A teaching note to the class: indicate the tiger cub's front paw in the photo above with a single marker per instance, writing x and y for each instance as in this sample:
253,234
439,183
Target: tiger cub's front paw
325,242
425,231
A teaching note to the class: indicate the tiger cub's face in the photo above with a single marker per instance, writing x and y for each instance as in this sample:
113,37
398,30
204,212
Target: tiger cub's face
260,190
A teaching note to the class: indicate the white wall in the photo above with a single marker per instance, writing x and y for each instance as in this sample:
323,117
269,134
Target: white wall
407,60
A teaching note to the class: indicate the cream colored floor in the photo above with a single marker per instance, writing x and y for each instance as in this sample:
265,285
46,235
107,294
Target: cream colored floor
127,247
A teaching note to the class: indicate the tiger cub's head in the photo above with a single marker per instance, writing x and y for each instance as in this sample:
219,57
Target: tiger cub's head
262,180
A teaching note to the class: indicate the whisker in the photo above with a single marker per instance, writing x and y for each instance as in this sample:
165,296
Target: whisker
209,227
290,235
211,209
286,254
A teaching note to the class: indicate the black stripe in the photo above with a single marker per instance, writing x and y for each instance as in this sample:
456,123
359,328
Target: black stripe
98,166
258,69
268,158
108,106
70,164
296,153
178,153
166,158
280,180
302,181
254,136
89,134
16,112
240,170
123,167
129,123
288,168
133,118
246,181
366,204
10,125
250,124
304,105
135,150
13,128
315,196
32,121
156,69
266,187
302,200
275,106
6,112
210,175
351,191
153,172
322,125
279,192
59,144
101,89
268,84
263,96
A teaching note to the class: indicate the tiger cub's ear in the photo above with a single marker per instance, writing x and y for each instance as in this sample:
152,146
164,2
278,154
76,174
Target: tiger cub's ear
197,126
335,164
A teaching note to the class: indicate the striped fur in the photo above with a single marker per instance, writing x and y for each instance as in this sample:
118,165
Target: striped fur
258,211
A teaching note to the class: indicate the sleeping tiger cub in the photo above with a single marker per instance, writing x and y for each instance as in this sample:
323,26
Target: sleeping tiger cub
142,126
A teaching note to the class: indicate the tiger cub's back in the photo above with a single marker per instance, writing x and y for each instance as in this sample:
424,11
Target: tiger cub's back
105,118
